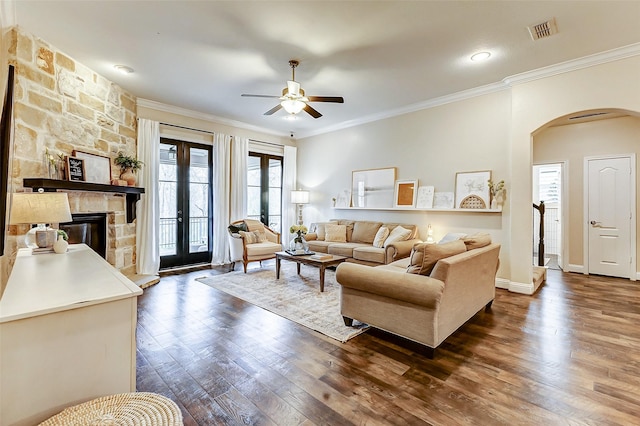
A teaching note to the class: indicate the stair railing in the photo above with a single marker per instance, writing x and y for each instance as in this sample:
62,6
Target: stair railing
540,208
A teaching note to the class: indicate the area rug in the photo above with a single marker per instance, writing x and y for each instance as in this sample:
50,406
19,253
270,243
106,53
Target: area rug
295,297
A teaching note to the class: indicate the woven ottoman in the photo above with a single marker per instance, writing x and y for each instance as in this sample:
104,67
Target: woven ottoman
137,408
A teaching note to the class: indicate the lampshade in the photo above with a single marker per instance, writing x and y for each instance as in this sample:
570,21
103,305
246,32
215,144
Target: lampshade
35,207
292,106
300,197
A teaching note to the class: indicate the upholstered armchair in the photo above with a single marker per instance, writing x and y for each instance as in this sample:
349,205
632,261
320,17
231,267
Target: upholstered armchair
251,241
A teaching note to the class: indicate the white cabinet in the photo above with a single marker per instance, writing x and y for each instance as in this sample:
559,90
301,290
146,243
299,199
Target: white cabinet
67,334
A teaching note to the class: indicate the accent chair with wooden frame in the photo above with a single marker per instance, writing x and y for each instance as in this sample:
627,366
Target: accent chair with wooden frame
257,243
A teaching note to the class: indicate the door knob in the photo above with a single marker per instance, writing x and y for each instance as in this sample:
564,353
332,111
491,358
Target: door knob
594,223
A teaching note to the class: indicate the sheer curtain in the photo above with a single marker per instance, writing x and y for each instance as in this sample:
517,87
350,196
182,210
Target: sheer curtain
240,152
288,185
148,208
221,189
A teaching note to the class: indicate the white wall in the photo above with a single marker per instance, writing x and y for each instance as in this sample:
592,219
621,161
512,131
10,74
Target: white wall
429,145
487,132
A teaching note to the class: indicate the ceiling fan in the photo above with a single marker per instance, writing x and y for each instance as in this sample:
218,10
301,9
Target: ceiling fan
293,99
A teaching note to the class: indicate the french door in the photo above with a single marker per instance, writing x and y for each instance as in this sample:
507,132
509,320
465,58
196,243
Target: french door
264,189
185,203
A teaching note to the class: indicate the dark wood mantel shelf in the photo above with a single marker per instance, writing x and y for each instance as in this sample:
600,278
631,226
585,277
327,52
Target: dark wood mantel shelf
131,192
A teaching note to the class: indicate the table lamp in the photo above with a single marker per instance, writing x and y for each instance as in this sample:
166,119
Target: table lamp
40,208
300,197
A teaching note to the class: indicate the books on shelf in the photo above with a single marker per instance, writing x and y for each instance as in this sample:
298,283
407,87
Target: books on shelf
321,256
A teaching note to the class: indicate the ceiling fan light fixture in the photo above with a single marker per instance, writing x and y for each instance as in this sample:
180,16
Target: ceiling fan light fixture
292,106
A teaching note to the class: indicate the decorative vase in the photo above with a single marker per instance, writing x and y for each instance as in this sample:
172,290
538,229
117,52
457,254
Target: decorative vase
60,246
494,204
129,176
300,245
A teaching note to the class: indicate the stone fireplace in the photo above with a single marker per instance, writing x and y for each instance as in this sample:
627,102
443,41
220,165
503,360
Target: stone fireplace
89,229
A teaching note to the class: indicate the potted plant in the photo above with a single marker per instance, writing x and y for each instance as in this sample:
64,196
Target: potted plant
128,167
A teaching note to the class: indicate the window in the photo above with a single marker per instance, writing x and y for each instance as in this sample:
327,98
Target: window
264,189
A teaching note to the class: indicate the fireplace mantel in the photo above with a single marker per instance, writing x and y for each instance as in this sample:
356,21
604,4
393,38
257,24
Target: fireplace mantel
50,185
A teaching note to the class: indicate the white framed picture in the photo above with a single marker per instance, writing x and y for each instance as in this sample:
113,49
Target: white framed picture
472,189
343,199
406,193
425,197
443,200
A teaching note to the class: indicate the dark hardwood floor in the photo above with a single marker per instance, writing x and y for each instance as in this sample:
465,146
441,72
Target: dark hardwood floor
570,354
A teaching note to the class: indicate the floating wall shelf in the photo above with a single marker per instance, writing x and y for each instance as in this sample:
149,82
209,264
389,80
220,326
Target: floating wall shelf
411,209
51,185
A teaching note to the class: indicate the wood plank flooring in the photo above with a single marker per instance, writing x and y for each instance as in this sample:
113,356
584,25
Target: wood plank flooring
570,354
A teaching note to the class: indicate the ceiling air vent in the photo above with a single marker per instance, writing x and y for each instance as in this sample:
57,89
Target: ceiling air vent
543,30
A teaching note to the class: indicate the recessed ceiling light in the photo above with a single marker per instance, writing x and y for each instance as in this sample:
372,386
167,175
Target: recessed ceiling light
123,69
480,56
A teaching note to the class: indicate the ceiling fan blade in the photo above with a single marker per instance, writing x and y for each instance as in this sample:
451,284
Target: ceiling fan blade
312,112
274,109
335,99
261,96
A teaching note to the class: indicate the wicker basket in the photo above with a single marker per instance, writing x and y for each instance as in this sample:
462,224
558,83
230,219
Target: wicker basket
138,408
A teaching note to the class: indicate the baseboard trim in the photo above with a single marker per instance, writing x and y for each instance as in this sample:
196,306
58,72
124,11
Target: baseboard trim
502,283
522,288
574,268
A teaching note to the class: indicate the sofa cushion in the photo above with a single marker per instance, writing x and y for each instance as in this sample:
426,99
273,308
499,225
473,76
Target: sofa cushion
369,254
381,235
252,237
425,256
365,231
320,229
319,246
262,249
349,224
344,249
452,236
478,240
335,233
398,234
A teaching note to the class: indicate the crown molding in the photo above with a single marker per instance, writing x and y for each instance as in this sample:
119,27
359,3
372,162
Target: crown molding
8,14
162,107
575,64
506,83
431,103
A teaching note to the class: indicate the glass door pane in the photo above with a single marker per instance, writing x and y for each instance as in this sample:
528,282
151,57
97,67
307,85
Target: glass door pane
199,191
168,190
254,188
275,194
264,189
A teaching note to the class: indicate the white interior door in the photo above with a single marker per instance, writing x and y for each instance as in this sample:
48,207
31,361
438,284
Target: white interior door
609,216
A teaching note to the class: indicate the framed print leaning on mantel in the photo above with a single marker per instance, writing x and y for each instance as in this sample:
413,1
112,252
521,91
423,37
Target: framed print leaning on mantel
472,189
97,168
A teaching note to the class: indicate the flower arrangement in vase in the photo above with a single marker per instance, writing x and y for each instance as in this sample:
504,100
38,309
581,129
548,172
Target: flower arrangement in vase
298,242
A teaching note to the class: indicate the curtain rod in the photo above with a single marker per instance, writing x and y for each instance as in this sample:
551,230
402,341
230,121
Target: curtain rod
212,133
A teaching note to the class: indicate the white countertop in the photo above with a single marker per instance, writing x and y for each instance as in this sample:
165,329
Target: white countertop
45,283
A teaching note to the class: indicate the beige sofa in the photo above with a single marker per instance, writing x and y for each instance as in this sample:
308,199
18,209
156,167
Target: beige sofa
358,242
425,309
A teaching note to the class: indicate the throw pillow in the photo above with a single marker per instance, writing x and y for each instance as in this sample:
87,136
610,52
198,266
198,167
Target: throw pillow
478,240
335,233
381,235
234,229
365,231
452,236
320,229
252,237
398,234
425,256
254,225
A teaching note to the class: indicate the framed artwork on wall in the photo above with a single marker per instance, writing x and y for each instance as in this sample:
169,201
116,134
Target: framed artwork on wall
97,167
406,193
472,190
373,188
443,200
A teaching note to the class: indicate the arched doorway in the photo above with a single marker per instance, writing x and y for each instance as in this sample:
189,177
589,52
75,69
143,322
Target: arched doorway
578,140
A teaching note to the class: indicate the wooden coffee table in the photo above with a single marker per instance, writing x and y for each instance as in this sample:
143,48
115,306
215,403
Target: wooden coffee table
335,260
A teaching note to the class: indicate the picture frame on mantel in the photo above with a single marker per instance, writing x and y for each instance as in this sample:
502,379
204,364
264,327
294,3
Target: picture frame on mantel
406,193
97,167
75,169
